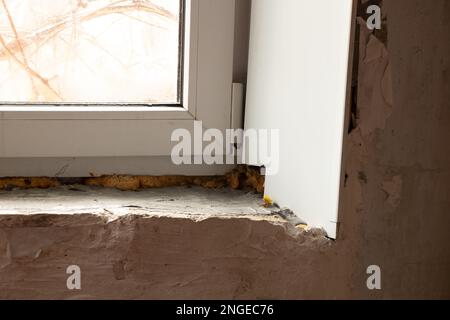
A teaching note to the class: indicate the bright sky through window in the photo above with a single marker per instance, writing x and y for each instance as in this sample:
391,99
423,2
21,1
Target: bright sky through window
89,51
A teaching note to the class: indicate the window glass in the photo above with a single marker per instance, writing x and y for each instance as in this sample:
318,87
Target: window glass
90,51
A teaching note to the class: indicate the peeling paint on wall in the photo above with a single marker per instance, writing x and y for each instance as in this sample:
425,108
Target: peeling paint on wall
374,83
393,189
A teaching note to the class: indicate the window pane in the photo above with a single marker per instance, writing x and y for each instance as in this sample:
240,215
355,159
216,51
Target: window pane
89,51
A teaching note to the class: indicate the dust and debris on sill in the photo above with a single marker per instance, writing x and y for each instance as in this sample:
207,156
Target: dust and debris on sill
194,203
61,205
238,194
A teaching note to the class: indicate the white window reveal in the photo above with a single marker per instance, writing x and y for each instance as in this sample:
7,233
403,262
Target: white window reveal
298,73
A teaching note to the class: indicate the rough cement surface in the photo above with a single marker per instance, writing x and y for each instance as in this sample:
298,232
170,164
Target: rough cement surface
165,243
172,202
395,205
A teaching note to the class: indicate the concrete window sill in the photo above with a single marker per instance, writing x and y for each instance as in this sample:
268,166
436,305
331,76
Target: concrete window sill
180,202
151,244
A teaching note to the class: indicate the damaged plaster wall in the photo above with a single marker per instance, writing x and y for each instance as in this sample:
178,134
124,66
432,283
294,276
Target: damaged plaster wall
395,204
396,201
155,258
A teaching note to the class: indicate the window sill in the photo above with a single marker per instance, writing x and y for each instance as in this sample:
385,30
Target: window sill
174,243
194,203
178,202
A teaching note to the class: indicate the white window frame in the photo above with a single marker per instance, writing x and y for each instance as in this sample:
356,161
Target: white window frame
134,131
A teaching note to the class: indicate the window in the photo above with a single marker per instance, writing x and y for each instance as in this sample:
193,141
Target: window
97,51
100,118
297,84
